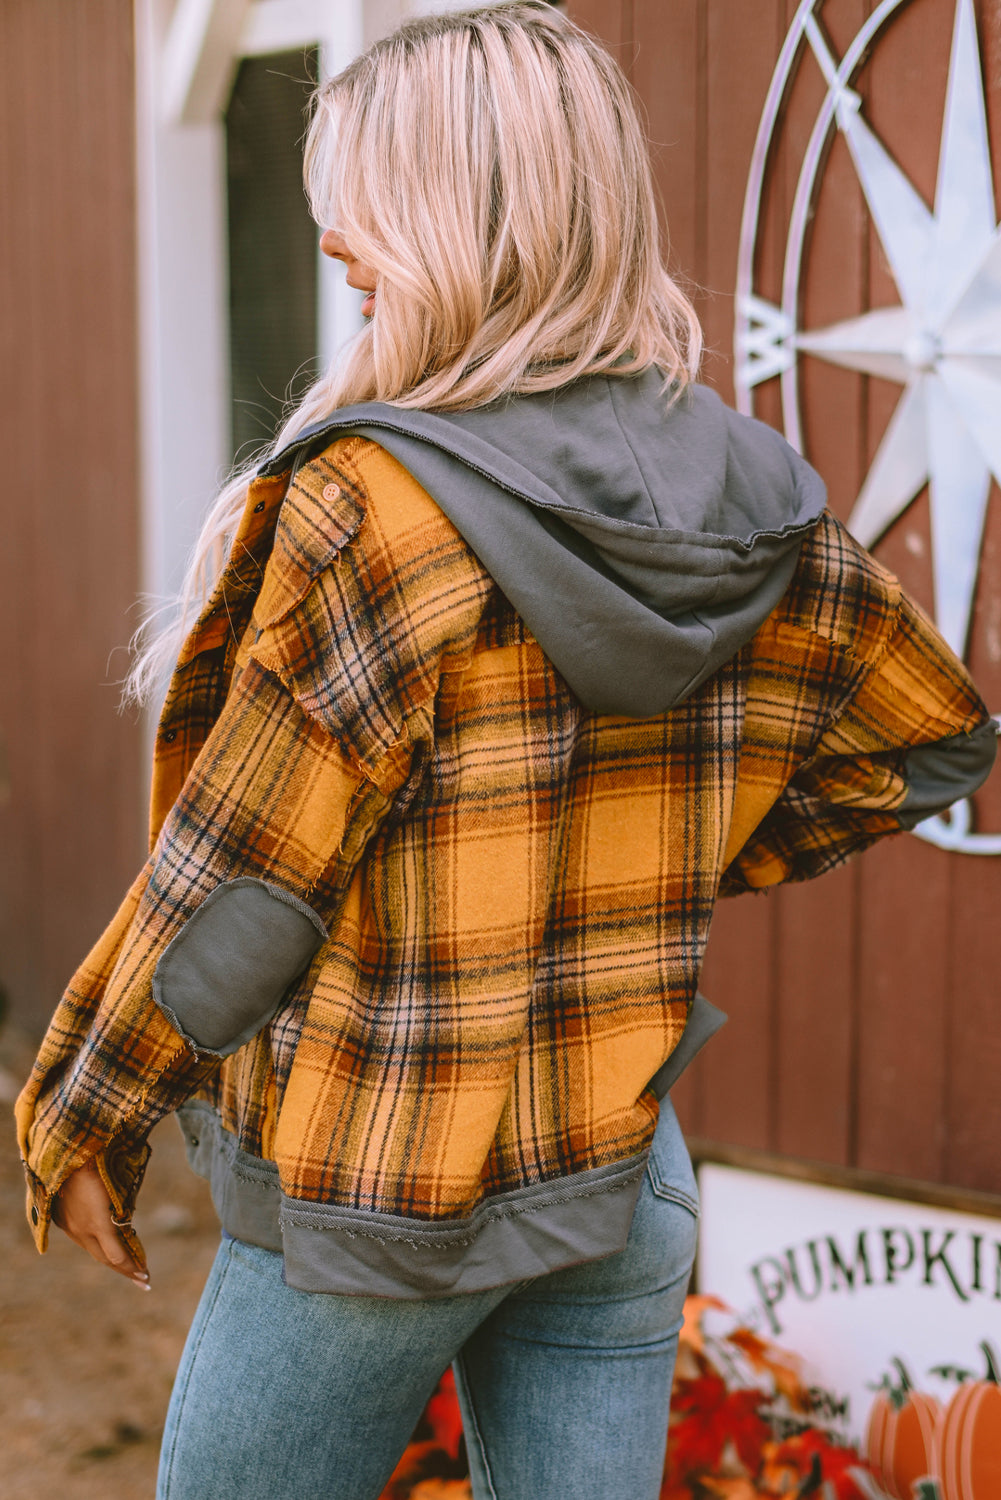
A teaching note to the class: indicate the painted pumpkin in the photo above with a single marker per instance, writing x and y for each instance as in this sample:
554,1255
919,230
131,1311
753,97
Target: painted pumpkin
968,1439
900,1435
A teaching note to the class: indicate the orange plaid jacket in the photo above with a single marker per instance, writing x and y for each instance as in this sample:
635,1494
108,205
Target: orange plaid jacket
515,892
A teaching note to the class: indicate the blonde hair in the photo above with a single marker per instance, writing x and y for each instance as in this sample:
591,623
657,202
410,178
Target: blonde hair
489,165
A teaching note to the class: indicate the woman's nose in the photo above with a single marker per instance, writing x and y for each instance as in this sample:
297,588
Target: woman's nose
333,244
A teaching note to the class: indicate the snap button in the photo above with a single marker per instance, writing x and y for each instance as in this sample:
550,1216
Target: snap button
258,507
34,1214
193,1139
170,736
331,491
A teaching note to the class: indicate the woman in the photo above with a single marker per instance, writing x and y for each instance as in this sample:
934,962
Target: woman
517,651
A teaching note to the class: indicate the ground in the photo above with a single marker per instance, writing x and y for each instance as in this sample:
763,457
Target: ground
87,1359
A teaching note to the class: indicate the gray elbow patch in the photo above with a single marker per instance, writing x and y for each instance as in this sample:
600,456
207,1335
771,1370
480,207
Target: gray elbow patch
226,972
942,773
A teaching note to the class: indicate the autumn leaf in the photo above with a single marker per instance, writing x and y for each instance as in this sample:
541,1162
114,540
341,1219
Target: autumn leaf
675,1489
836,1468
442,1489
704,1393
779,1475
412,1467
444,1417
429,1468
747,1429
691,1329
708,1417
794,1459
784,1368
739,1488
689,1365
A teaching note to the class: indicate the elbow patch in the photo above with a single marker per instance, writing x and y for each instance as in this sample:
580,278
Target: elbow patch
942,773
224,975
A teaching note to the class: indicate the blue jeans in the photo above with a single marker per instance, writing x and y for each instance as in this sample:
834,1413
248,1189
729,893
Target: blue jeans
564,1381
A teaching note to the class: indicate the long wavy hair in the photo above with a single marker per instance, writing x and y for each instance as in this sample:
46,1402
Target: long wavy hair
490,166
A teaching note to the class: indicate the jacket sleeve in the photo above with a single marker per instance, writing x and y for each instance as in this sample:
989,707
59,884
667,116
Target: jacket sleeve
325,731
215,929
912,738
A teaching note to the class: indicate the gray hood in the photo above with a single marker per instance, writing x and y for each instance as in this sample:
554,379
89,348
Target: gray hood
641,547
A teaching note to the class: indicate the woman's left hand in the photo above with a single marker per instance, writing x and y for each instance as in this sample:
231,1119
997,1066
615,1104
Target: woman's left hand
84,1212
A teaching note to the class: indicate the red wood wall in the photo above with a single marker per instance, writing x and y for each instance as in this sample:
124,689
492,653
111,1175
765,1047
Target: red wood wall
70,771
865,1007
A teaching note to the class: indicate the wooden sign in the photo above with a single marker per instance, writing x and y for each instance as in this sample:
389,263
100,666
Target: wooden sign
895,1307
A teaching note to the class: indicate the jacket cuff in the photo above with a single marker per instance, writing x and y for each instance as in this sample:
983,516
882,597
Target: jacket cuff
122,1167
39,1209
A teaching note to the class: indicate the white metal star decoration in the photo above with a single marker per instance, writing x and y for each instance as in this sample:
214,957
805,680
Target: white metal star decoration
943,343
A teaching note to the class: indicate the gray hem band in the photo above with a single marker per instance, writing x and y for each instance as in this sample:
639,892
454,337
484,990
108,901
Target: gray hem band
513,1237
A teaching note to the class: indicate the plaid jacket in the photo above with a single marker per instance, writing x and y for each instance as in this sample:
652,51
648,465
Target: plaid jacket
516,892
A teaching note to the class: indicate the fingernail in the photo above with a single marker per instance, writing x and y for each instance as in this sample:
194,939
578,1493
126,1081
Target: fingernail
142,1281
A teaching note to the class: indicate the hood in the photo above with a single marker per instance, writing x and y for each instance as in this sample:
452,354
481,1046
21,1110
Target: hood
642,546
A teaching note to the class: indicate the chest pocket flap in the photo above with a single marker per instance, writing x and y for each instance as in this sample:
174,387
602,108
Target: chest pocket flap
323,509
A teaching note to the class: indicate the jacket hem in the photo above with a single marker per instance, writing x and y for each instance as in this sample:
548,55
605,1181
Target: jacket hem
515,1236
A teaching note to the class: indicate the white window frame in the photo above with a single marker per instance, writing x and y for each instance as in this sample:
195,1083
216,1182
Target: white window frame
187,54
186,57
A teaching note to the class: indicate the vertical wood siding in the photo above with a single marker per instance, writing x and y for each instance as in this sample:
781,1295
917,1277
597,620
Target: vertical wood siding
70,784
865,1027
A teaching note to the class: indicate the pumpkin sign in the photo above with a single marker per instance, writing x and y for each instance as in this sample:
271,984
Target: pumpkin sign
967,1452
900,1435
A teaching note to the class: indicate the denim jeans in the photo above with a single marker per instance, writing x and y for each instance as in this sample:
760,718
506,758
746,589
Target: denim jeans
564,1381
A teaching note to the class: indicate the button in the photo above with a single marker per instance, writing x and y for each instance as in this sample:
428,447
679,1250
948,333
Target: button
258,507
331,491
170,736
34,1214
193,1139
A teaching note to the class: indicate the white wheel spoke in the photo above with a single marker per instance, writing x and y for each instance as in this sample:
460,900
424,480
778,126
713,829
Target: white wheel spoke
960,484
975,324
899,470
964,198
905,227
871,343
